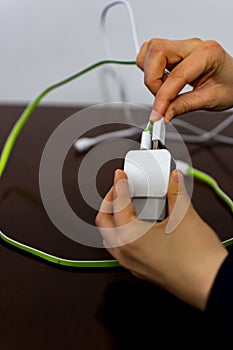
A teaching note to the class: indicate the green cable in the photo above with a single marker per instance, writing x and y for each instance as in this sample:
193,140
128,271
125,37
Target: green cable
227,242
209,180
149,126
57,260
8,148
214,185
30,108
6,153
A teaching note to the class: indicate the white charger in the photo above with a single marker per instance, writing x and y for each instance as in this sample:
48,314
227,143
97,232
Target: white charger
148,171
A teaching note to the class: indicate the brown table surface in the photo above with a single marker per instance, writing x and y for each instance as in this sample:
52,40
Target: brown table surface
44,306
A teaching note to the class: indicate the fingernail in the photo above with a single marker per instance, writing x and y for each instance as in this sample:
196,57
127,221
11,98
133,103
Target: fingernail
116,174
177,176
155,116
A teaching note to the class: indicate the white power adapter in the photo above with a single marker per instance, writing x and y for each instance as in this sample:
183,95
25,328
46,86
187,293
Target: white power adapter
148,172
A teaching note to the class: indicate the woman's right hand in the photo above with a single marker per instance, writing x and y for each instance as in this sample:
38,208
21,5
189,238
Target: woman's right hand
203,64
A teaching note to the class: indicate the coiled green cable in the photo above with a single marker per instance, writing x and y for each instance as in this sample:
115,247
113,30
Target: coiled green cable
30,108
57,260
189,170
212,183
5,156
8,148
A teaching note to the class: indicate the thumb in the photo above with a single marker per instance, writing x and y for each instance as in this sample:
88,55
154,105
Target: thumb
179,201
123,208
177,190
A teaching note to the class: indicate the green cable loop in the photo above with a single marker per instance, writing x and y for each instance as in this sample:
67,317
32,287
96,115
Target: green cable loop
212,183
57,260
8,148
30,108
5,156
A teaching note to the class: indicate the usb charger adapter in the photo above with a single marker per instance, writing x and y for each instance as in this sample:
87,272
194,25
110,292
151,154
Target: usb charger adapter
148,170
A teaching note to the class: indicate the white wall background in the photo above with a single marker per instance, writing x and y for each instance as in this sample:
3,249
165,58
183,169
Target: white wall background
43,41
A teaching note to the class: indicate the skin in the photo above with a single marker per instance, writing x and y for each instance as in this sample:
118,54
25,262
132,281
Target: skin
185,261
205,65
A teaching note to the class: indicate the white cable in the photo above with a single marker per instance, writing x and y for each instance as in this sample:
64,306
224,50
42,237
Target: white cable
111,70
203,135
132,25
85,143
121,88
182,166
112,73
159,130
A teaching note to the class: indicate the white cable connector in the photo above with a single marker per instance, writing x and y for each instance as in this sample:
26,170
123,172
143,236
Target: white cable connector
148,171
146,142
85,143
182,166
158,134
158,131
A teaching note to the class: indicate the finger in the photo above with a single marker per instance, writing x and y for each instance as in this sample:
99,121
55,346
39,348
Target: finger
161,54
179,202
104,220
104,217
177,189
117,254
190,101
124,211
111,250
146,58
141,55
108,247
188,71
154,67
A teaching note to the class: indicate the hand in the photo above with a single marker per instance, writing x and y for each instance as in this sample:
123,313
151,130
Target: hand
203,64
184,261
